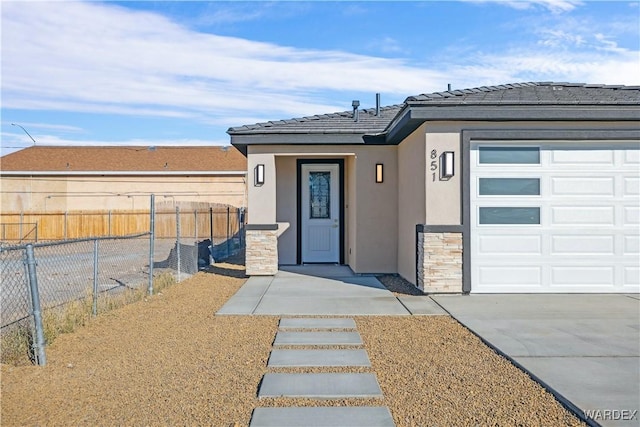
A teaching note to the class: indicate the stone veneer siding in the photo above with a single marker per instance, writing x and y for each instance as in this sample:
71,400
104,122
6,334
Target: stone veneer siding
261,252
440,262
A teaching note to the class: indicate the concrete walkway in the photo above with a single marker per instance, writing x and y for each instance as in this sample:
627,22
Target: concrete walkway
322,290
585,347
319,385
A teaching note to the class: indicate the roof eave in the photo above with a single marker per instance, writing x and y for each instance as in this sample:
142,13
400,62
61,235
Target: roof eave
415,115
241,140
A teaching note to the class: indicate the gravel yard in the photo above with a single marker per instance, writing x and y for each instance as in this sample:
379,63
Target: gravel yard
169,361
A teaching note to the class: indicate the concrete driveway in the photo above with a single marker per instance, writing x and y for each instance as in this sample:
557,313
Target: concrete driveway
586,348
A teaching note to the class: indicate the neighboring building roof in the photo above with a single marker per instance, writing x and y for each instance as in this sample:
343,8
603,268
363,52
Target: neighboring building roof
125,160
525,101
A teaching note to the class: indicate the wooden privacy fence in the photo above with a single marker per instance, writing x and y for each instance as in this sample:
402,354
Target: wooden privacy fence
194,223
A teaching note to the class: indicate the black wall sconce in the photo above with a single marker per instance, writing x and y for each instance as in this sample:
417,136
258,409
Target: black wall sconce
258,174
379,173
447,165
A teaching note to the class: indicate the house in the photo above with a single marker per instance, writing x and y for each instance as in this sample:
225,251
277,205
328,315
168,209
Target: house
528,187
46,179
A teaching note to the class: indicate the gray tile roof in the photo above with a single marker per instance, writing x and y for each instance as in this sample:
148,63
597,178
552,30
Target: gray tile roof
517,94
341,122
543,93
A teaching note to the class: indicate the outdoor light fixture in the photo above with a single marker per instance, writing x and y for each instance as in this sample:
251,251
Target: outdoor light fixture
379,177
259,175
446,165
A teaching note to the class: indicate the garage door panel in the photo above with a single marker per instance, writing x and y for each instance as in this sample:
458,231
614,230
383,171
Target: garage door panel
631,157
631,245
631,186
582,245
510,244
631,276
580,275
631,215
581,157
582,215
583,186
497,275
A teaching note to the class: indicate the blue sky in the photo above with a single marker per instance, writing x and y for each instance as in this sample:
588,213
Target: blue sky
182,73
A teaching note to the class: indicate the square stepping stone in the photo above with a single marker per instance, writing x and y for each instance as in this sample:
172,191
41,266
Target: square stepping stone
301,358
313,323
317,338
369,416
320,386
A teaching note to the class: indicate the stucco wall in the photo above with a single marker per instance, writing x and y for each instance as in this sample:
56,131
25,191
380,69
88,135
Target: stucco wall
370,208
442,194
285,209
99,193
377,211
411,199
351,209
262,197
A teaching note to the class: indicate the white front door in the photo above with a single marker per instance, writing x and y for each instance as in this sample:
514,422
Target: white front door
320,210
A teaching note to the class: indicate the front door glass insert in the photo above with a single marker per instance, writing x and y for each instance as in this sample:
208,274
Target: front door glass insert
320,195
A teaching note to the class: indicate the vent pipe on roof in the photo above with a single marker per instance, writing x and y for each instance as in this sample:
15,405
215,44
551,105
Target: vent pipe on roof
356,114
449,87
377,105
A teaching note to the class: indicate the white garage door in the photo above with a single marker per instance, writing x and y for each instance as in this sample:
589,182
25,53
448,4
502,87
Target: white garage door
555,217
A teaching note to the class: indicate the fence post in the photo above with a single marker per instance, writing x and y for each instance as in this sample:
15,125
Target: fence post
195,219
94,308
213,245
243,216
38,342
109,222
66,222
239,215
178,239
228,229
152,235
21,220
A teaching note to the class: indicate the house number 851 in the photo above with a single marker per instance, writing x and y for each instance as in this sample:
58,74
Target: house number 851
434,164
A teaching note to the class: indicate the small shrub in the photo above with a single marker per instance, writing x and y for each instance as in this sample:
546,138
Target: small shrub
15,346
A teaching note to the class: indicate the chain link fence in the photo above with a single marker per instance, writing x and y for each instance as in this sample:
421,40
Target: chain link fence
38,278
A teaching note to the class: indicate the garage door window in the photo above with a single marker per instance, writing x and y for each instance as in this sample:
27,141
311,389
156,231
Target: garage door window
509,187
509,215
509,155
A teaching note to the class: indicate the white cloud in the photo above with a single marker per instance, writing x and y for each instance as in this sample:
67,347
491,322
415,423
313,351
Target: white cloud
388,45
604,43
530,65
555,6
101,58
559,38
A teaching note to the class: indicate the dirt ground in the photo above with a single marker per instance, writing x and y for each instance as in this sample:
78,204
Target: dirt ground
169,360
